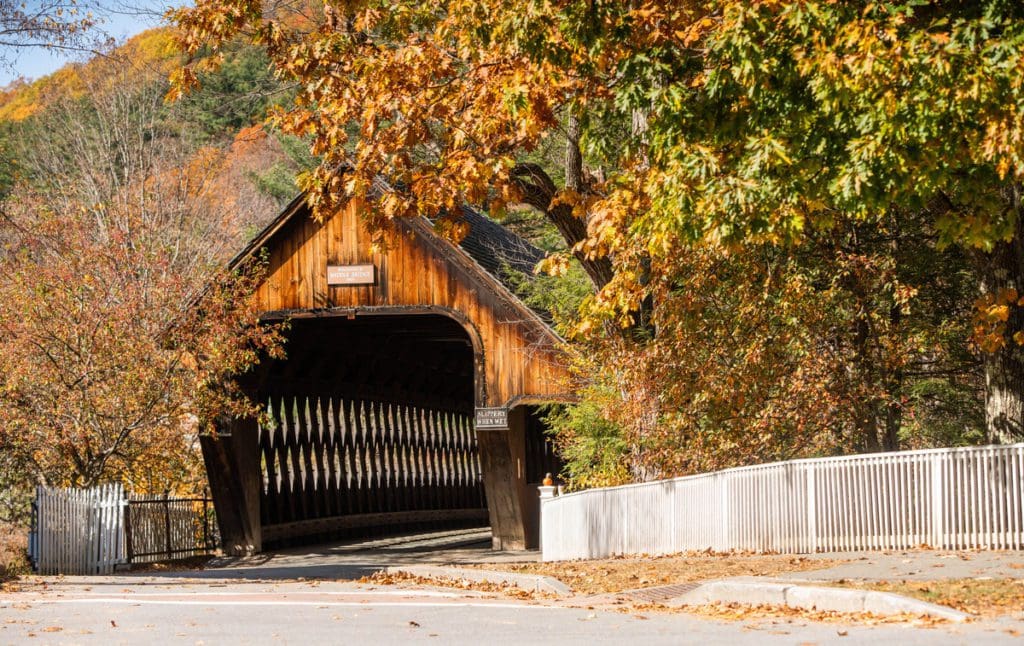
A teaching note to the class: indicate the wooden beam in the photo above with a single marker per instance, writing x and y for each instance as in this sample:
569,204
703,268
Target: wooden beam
233,468
502,459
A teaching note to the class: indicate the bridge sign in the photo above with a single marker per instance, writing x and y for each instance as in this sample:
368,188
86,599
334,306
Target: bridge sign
351,275
492,419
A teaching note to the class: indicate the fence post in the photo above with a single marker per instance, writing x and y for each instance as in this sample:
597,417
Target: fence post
723,509
206,521
167,521
672,543
938,500
812,511
129,543
33,535
42,541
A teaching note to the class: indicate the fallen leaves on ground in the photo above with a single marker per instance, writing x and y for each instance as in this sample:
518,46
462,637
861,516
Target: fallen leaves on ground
743,612
629,573
507,589
980,596
9,587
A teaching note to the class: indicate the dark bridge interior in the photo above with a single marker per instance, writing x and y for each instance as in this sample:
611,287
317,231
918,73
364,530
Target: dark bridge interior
370,429
423,360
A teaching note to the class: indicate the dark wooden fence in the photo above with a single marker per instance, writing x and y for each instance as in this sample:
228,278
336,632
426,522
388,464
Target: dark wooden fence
162,528
331,464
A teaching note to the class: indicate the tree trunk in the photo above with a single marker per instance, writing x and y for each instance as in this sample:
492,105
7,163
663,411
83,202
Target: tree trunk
1003,268
538,190
893,376
865,407
1004,396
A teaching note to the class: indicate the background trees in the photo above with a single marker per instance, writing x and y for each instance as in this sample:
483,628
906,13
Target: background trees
787,209
107,374
64,24
118,214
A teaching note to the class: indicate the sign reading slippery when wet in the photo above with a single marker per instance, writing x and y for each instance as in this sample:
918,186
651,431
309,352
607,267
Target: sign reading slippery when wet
492,419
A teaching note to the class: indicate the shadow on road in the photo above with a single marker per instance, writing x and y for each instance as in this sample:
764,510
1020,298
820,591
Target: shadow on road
351,560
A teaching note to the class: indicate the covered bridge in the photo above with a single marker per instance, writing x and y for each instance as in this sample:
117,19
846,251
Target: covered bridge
408,396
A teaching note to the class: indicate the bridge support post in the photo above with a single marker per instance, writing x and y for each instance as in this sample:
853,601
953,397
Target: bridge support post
233,468
503,461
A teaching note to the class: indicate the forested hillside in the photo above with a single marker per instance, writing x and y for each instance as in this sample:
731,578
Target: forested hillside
119,207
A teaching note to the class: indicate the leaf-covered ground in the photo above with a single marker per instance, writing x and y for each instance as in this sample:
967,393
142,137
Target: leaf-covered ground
982,596
619,574
780,616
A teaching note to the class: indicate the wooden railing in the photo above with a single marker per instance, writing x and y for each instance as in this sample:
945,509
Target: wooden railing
941,498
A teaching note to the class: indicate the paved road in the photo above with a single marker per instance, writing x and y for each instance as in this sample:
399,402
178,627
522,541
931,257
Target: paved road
132,610
307,596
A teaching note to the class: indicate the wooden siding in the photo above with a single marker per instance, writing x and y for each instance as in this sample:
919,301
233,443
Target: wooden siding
417,271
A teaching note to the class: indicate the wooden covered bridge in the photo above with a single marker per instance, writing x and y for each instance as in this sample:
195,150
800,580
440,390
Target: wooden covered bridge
408,396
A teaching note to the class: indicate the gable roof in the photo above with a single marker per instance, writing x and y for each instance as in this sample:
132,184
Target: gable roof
494,247
489,247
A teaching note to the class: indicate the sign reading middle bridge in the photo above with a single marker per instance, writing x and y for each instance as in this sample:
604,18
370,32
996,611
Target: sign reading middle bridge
351,274
492,419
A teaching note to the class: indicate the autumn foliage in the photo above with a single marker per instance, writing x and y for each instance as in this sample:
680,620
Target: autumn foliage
786,208
119,328
108,374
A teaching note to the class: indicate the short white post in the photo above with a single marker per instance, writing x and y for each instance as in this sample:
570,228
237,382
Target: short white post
547,492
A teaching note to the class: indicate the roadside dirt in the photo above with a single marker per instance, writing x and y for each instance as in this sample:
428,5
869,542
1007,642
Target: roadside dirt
188,563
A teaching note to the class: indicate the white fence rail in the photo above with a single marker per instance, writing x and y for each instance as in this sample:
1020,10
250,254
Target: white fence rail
78,531
942,498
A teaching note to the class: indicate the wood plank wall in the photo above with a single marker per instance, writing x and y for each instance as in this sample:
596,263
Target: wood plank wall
417,270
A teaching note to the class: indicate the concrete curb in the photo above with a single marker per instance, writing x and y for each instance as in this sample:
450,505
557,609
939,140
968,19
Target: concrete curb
530,582
812,598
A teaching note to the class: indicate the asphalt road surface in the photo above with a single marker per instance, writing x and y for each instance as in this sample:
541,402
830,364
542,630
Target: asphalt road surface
127,610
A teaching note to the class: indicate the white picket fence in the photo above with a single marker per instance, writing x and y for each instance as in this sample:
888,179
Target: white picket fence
78,531
941,498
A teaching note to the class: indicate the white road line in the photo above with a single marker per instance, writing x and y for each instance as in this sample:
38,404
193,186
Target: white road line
354,604
367,593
